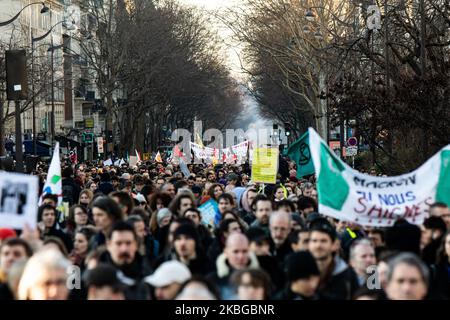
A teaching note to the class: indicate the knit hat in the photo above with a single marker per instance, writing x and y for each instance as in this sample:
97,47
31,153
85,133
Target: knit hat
403,236
162,213
6,233
187,230
301,265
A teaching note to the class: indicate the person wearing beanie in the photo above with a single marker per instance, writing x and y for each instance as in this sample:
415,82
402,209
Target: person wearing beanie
338,281
403,236
302,277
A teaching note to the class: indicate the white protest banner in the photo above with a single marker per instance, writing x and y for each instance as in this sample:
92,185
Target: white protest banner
346,194
201,152
18,200
108,162
240,149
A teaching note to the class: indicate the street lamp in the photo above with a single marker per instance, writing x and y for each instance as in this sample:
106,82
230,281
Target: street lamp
19,158
52,48
44,9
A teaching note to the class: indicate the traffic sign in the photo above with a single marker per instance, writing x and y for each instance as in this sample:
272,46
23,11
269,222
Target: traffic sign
352,151
88,137
352,141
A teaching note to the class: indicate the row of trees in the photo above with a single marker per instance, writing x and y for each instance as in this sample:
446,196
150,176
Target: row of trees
156,64
321,62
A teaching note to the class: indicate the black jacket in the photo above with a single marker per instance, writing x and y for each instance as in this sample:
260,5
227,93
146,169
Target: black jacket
136,271
441,283
70,191
340,283
58,233
272,267
288,294
281,253
198,266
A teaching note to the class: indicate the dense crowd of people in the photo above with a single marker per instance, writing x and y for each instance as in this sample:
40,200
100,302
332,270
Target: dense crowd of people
139,233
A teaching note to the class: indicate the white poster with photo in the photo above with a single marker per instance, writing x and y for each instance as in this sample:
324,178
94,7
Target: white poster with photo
18,200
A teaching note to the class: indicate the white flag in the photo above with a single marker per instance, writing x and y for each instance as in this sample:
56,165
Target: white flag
53,184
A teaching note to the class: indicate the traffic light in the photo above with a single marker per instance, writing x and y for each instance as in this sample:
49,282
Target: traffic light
88,137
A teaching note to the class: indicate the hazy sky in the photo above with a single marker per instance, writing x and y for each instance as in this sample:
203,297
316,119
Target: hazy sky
250,115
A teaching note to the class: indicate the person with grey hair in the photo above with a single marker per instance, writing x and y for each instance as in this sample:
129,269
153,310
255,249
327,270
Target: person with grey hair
408,278
45,277
362,255
280,224
163,217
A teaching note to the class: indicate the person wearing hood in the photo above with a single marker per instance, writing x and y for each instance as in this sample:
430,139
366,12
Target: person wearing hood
236,256
246,202
338,281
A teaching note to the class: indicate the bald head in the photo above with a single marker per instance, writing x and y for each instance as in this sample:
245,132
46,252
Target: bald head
280,227
237,251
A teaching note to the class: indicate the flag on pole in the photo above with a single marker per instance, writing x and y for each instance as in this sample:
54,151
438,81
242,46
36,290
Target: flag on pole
346,194
73,155
158,157
198,140
53,185
300,152
138,155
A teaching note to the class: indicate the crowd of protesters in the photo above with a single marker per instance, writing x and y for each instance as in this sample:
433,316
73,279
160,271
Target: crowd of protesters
138,233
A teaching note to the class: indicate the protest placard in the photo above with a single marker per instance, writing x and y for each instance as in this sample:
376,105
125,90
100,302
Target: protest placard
18,200
265,165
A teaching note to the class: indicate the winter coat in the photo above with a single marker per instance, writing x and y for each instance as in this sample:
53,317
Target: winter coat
70,191
221,277
339,284
288,294
198,266
441,283
133,275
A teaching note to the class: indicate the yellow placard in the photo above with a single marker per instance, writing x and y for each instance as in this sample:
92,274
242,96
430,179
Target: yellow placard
146,156
265,165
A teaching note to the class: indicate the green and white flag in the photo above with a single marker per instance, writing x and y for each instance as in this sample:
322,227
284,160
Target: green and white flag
346,194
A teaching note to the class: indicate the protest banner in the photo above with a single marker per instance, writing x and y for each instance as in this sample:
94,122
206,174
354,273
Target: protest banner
18,200
210,213
346,194
265,165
